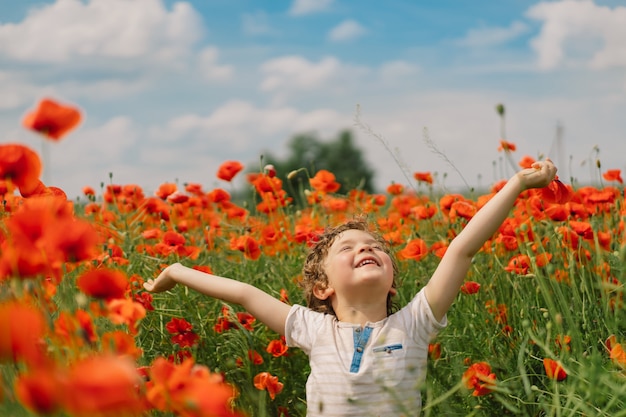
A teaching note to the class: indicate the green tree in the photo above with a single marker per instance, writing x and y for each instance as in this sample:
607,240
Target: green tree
340,156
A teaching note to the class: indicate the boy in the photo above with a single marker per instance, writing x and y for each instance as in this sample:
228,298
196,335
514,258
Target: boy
364,360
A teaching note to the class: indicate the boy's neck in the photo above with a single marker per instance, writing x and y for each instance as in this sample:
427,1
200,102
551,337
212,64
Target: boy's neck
361,314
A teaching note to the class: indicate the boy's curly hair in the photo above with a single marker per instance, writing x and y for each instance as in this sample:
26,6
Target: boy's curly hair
313,271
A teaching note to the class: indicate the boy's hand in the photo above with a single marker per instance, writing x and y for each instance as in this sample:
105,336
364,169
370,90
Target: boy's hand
540,175
163,282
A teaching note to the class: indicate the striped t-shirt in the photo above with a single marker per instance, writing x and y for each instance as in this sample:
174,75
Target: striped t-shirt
374,370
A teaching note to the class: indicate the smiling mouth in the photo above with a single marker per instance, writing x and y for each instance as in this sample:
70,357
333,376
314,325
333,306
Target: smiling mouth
367,262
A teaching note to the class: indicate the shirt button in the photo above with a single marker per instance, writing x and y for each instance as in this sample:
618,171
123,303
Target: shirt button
359,349
358,330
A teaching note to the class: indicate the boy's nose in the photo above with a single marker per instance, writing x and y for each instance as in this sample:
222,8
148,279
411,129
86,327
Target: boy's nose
366,247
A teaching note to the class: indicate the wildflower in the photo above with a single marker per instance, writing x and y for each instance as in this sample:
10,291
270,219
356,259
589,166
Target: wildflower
103,283
415,249
228,170
22,327
40,390
426,177
253,356
182,333
479,378
20,165
248,245
556,192
395,189
519,264
470,287
165,190
277,347
183,390
52,119
506,146
125,311
613,175
103,386
554,369
270,170
434,351
526,162
324,181
268,382
120,343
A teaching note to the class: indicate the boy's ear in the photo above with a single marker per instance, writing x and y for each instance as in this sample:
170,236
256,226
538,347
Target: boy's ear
322,292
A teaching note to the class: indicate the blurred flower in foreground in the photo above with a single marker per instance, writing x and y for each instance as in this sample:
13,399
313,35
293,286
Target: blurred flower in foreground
554,369
52,119
20,165
268,382
479,378
228,170
613,175
507,146
426,177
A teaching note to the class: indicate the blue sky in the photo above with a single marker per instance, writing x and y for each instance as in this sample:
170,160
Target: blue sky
170,89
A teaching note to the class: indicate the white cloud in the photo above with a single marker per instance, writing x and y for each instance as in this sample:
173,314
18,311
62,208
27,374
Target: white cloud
209,68
297,73
304,7
571,28
240,125
492,36
118,29
347,30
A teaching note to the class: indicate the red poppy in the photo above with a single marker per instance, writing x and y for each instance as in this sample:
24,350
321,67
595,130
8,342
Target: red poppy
22,329
434,351
613,175
52,119
277,347
324,181
40,390
618,355
556,192
426,177
395,189
183,390
125,311
506,146
554,369
165,190
248,245
479,378
415,249
182,332
21,166
268,382
470,287
526,162
103,283
519,264
103,386
218,195
228,170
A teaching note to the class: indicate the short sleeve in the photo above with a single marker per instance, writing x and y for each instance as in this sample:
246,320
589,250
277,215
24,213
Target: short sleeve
302,327
424,324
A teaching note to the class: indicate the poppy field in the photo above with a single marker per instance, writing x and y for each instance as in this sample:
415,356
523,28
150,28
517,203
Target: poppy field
538,328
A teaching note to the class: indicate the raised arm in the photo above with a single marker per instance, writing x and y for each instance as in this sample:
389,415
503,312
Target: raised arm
445,283
261,305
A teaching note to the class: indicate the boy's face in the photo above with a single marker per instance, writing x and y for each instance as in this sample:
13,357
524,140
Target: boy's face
357,264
